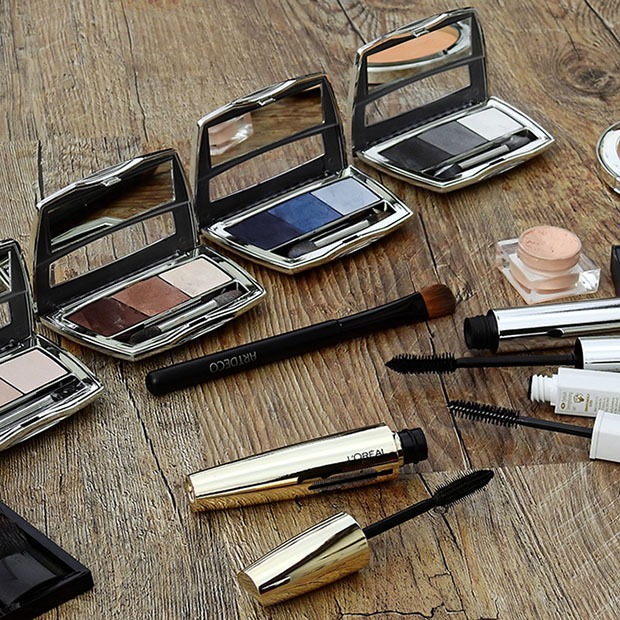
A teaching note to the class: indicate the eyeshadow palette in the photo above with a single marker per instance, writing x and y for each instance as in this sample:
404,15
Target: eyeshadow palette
35,574
421,110
117,265
40,383
278,189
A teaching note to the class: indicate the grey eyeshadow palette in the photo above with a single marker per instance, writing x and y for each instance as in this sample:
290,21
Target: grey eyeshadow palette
286,225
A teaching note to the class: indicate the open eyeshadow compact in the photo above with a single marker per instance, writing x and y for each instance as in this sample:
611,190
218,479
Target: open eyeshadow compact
35,574
40,383
272,181
421,110
117,265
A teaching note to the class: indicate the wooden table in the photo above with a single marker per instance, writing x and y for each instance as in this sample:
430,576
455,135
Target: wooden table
87,84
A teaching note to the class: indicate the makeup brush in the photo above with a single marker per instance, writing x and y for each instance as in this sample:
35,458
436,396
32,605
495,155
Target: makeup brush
433,302
605,433
589,353
337,547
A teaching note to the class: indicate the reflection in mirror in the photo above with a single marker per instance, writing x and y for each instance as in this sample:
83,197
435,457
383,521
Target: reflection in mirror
5,274
132,196
266,166
416,55
105,250
417,94
5,314
266,125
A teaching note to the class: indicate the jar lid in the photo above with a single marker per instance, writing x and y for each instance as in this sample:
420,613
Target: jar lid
608,155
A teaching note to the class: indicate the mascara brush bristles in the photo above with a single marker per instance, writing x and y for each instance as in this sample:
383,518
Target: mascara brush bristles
422,364
446,495
482,412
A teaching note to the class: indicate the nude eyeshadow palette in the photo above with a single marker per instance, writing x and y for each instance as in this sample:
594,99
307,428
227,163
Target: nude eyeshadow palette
118,265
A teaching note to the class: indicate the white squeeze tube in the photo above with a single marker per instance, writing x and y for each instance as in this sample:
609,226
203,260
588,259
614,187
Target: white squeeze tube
574,391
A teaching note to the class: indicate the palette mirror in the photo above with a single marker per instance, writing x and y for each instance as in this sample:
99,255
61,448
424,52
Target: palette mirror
417,55
5,287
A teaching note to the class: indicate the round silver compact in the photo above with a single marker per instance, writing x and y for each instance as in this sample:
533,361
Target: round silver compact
608,155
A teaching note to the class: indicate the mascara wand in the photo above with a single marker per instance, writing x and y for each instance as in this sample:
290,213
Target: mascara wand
605,434
338,547
446,362
589,353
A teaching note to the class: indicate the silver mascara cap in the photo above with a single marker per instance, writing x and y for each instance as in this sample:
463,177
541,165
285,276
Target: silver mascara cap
543,326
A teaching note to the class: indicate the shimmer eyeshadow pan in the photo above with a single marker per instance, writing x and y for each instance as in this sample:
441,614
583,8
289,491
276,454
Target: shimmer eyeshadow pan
151,296
196,277
107,316
30,371
7,393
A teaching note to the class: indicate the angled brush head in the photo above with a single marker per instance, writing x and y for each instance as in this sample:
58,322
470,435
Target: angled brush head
422,364
483,412
462,486
439,300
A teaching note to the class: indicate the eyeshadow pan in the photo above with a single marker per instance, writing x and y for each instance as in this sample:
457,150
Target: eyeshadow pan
264,231
490,123
452,137
107,316
31,370
346,196
151,296
196,277
414,154
7,393
305,212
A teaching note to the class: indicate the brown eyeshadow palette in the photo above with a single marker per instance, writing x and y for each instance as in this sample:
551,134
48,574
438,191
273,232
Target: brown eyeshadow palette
118,265
153,298
40,383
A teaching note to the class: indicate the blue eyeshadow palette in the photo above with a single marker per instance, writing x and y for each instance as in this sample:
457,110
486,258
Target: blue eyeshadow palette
272,181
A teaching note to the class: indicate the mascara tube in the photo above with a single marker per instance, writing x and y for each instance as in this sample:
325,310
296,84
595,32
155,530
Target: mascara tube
546,325
351,459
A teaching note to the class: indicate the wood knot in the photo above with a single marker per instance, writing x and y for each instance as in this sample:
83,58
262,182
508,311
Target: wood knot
588,71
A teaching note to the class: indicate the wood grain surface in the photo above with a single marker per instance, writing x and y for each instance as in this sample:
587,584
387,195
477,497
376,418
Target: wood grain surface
87,83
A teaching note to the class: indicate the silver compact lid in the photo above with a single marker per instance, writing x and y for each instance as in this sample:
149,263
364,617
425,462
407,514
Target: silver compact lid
16,315
108,226
417,73
264,144
608,156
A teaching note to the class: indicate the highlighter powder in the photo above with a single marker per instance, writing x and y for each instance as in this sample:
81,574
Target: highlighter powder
7,393
30,371
196,277
415,49
107,317
346,196
549,248
151,296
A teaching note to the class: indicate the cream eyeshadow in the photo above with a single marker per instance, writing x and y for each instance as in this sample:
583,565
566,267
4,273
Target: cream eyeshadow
196,277
31,370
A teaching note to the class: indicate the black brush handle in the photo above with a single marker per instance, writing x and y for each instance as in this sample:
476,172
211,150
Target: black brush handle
374,529
409,309
556,427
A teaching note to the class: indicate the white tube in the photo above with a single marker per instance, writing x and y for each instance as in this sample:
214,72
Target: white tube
573,391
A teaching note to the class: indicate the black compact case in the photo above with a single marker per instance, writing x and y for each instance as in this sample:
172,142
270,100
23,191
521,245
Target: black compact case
36,575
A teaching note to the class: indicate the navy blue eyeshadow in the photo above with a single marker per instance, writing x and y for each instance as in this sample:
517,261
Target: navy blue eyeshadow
305,212
264,231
